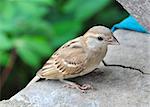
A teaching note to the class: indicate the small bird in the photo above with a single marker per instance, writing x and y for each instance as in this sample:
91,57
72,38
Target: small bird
78,57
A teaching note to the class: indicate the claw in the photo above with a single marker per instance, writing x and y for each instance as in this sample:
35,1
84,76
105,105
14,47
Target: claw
73,85
81,88
86,87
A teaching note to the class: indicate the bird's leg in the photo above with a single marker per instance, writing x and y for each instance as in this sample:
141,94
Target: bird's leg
74,85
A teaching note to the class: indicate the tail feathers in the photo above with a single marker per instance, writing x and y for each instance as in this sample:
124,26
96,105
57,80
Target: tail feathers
36,78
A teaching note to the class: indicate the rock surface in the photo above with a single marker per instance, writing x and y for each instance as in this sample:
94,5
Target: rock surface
114,86
140,9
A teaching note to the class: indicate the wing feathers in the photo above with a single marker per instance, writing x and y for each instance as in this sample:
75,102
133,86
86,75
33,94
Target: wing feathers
70,59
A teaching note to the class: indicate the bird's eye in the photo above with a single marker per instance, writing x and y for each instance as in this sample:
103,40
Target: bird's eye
100,38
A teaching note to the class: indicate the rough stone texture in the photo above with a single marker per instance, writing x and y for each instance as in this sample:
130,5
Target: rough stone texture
140,9
135,47
114,86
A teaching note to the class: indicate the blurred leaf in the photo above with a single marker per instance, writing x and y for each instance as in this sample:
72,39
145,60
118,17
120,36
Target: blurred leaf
111,11
20,13
39,45
46,2
65,27
5,42
25,53
4,58
28,56
32,49
85,9
67,30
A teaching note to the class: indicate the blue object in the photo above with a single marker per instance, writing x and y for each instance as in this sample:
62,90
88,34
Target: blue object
130,23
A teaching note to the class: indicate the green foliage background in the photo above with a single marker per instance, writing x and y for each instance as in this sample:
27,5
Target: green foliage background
34,29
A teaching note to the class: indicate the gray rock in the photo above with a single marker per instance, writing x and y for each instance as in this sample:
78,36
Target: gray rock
134,50
140,9
114,86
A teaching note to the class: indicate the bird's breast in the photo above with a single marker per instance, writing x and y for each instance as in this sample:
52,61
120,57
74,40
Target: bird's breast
95,57
94,60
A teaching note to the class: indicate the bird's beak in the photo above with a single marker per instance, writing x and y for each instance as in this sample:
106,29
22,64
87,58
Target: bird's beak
113,41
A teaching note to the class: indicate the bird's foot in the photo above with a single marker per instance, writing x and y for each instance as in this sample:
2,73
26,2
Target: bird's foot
74,85
81,88
86,87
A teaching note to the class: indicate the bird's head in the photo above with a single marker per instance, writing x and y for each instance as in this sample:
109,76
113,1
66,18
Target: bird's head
99,36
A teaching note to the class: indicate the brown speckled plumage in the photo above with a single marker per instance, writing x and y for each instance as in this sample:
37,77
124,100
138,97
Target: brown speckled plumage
78,56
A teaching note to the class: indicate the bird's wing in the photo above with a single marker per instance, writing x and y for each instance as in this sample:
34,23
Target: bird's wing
70,59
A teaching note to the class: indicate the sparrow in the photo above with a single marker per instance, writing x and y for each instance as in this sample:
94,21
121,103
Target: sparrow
78,57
